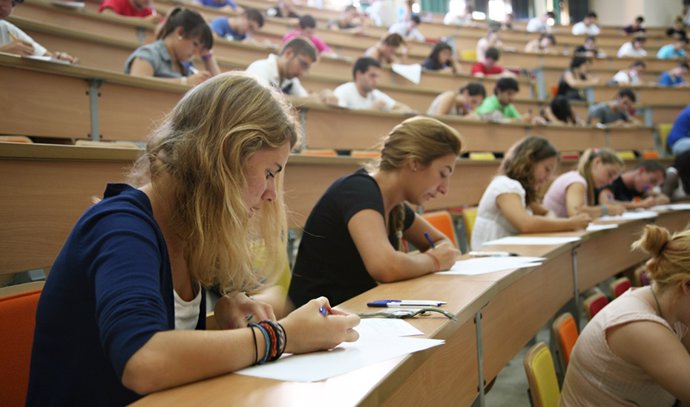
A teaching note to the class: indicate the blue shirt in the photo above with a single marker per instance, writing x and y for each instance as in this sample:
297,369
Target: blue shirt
666,80
221,26
213,3
109,291
681,127
668,52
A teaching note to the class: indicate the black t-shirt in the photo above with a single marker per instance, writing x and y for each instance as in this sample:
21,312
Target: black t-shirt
328,262
621,192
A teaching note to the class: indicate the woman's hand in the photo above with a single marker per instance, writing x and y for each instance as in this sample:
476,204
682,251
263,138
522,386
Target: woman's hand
308,330
237,310
580,221
198,77
446,254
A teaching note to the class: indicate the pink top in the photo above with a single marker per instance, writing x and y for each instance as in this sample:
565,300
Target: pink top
555,196
598,377
318,43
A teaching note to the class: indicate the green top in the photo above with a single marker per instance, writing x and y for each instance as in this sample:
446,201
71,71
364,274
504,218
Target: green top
491,104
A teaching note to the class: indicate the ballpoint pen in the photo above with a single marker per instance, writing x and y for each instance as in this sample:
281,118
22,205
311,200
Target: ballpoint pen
428,239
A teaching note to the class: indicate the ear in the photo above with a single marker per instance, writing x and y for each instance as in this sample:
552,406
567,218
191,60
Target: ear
179,31
685,287
413,165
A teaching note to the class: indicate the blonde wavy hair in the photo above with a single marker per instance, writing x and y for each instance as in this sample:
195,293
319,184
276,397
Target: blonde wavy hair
584,166
418,138
670,261
203,145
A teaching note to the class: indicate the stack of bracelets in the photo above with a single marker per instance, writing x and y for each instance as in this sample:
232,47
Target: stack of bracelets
274,338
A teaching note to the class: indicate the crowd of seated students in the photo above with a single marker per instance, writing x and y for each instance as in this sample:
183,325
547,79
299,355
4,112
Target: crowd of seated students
353,236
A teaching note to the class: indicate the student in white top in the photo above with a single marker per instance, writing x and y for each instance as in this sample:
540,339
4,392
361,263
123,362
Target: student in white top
633,48
362,92
588,26
510,205
408,29
285,70
632,75
541,23
15,41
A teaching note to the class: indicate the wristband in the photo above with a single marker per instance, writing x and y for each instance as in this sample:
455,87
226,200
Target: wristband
207,56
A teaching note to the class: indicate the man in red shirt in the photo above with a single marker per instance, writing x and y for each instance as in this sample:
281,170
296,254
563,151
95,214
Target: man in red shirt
130,8
490,67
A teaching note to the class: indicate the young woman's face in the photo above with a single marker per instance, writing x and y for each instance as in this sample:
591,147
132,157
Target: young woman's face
604,174
444,56
543,171
427,182
261,169
186,48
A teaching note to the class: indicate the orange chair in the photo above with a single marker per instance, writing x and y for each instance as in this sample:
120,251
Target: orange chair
17,321
366,154
442,221
15,139
619,286
541,376
319,153
595,303
564,330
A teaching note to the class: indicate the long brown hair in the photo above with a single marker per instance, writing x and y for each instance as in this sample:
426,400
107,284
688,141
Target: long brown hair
584,166
519,161
203,145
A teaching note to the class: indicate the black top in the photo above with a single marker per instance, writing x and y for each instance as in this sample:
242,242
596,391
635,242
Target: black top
433,65
568,91
328,262
672,32
621,192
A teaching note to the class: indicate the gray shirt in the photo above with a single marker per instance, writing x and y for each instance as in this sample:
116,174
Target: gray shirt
158,56
602,113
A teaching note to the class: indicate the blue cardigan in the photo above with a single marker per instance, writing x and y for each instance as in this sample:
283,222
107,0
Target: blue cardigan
109,291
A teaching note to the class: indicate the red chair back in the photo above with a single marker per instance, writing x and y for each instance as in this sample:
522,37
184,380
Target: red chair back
17,322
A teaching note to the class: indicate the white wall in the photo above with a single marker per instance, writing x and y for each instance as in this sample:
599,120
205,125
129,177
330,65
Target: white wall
657,13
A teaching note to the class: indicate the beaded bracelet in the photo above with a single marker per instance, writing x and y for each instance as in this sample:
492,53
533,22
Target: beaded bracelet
278,339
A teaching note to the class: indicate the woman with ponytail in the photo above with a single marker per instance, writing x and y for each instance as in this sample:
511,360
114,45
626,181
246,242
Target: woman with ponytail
353,236
635,351
183,35
573,192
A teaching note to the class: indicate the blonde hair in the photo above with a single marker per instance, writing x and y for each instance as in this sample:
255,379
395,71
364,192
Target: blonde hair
584,166
670,262
418,138
203,145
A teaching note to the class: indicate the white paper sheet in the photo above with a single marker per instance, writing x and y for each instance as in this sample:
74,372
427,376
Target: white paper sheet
484,265
527,240
632,215
378,327
412,73
593,227
347,357
672,207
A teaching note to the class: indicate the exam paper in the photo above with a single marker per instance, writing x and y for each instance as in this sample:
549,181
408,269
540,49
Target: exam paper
631,215
484,265
672,207
412,73
378,327
527,240
348,356
593,227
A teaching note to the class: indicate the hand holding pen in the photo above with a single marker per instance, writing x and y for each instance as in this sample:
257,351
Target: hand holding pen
316,326
444,254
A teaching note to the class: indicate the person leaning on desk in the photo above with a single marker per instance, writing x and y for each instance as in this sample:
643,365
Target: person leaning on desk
123,311
353,236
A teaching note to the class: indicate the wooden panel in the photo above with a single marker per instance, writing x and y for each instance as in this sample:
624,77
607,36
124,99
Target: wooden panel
58,106
123,115
42,199
516,313
641,138
570,138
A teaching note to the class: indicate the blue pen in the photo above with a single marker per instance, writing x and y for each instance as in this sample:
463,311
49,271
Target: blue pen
323,311
428,239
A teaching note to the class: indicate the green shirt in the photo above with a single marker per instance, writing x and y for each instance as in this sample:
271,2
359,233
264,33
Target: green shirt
491,104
